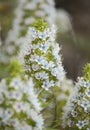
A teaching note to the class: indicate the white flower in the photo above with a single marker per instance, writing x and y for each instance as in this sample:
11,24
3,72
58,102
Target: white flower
35,67
81,95
76,98
45,64
72,106
85,104
43,47
16,83
27,50
54,72
51,65
87,84
9,94
14,122
18,106
32,34
9,112
27,68
38,76
32,31
33,58
42,35
44,75
45,85
40,59
83,83
74,113
7,115
52,34
87,92
70,123
80,124
58,72
51,83
17,95
86,122
56,50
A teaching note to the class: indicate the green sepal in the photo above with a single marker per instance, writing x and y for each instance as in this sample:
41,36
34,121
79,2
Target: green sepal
40,25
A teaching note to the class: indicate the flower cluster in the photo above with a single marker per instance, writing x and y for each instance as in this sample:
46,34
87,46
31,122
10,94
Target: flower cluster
40,56
9,49
40,9
19,105
26,13
77,110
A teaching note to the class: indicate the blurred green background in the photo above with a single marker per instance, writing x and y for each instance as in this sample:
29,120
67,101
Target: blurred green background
75,42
